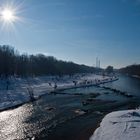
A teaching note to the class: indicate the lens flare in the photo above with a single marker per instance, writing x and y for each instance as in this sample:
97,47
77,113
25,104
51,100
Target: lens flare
8,15
10,12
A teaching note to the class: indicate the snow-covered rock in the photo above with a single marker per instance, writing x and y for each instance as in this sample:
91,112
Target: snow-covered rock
121,125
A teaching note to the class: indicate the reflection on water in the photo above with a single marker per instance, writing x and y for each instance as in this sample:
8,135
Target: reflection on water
12,124
33,119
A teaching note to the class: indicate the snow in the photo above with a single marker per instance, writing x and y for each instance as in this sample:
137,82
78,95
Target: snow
120,125
17,91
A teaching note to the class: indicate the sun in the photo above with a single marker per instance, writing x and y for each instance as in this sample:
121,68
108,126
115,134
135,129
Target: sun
8,15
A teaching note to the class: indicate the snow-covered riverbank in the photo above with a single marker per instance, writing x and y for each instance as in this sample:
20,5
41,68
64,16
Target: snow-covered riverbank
15,90
120,125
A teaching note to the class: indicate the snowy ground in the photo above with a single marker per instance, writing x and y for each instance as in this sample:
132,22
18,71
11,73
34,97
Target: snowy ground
121,125
17,92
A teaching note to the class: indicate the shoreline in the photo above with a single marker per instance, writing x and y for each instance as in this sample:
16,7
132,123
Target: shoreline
120,125
85,85
59,89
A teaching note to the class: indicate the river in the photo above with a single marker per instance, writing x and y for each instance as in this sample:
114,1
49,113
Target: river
127,83
65,116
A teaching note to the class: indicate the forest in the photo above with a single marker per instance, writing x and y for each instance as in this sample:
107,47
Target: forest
14,63
131,70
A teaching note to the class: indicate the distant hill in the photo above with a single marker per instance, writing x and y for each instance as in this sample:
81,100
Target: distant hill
131,70
12,63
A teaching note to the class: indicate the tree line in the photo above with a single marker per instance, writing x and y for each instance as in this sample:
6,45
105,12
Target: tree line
13,63
131,70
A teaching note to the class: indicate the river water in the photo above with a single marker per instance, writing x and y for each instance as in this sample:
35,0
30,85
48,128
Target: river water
56,116
128,84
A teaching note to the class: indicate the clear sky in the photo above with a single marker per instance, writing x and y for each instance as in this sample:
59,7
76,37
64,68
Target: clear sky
76,30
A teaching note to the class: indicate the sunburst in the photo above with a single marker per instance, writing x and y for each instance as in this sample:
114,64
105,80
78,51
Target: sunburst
8,15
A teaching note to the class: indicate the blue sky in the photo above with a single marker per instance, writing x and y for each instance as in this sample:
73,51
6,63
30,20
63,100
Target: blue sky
77,30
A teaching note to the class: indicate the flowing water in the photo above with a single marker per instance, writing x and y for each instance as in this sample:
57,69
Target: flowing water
127,83
56,116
